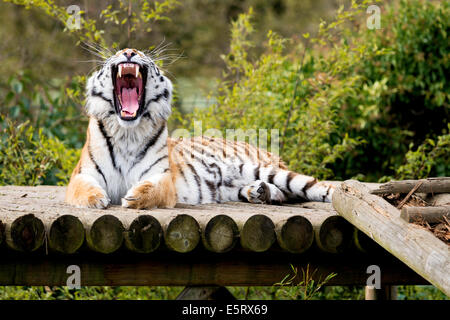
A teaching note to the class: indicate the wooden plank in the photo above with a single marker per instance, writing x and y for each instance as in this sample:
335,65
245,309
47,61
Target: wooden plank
430,185
198,269
416,247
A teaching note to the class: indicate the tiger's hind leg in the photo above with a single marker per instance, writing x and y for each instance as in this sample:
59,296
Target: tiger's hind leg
262,192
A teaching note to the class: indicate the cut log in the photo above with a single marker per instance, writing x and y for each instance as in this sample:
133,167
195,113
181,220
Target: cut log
65,234
333,234
104,233
258,233
430,185
220,234
295,234
365,244
24,232
143,233
416,247
182,234
428,214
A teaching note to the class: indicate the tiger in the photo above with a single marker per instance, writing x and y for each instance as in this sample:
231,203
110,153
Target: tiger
129,159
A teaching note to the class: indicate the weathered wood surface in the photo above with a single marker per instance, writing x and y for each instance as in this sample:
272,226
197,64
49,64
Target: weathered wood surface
416,247
32,215
428,214
430,185
198,269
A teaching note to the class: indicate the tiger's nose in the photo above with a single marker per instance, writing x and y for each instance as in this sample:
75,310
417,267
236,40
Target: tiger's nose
129,53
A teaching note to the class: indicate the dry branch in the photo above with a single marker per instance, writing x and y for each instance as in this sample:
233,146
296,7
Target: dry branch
428,214
430,185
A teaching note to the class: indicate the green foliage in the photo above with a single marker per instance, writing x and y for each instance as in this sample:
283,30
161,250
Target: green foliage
28,157
432,155
410,102
294,91
54,107
137,14
420,293
89,293
341,105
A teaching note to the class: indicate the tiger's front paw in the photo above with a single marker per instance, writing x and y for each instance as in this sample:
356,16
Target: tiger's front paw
142,196
83,195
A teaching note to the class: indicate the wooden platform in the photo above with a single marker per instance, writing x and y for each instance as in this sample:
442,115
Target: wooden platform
34,217
235,244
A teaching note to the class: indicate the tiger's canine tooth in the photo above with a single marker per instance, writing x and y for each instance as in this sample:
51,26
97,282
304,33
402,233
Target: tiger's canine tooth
136,69
120,70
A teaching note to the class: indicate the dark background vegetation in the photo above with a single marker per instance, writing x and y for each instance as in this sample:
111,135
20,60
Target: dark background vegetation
348,102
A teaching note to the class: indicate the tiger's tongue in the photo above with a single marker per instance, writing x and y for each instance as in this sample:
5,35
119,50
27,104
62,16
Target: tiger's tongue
130,101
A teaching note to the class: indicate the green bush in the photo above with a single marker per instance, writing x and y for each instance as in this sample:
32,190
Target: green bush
28,157
344,107
412,104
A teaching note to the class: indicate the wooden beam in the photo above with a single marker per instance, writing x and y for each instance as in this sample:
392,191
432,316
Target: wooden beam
384,293
416,247
430,185
198,269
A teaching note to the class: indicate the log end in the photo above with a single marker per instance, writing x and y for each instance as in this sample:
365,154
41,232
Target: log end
27,233
182,233
220,234
296,235
364,243
258,233
106,234
144,234
335,235
66,234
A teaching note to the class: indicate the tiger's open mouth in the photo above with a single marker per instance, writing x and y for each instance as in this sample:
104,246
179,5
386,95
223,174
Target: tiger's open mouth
129,81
